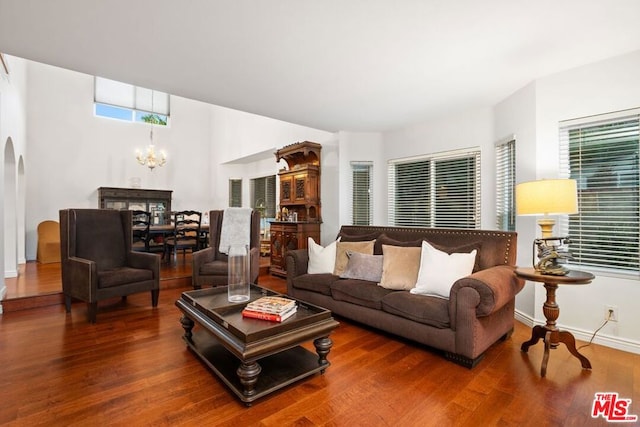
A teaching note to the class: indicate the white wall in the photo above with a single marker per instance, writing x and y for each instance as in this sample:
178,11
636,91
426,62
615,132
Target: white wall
244,146
603,87
72,152
466,129
13,143
516,117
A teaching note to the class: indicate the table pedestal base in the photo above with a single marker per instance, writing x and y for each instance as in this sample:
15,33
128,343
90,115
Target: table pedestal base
552,339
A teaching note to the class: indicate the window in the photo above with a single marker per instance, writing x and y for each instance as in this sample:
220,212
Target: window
123,101
235,193
440,190
505,184
601,153
361,212
264,194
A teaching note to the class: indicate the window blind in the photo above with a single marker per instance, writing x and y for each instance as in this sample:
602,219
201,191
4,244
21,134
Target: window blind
505,185
436,191
120,94
602,155
264,191
235,193
361,202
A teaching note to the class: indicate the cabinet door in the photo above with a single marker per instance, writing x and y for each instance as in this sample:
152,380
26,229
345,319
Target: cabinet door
300,188
286,190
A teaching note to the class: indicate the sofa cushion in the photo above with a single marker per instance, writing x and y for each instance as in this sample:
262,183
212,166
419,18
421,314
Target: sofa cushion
383,239
419,308
315,282
400,267
342,259
321,259
346,237
439,270
360,292
363,267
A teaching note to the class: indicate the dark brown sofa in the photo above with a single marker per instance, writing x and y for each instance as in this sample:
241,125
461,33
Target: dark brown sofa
478,312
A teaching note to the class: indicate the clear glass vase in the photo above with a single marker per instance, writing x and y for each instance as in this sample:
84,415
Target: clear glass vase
238,268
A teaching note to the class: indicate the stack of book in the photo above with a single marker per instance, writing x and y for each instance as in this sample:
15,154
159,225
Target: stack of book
273,308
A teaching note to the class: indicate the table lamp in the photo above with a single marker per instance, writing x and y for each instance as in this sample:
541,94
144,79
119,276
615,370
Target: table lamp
548,197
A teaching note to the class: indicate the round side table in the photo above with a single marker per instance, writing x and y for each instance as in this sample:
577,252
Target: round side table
550,333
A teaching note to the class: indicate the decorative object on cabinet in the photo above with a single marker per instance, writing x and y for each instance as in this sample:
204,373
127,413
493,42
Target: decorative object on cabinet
298,216
158,202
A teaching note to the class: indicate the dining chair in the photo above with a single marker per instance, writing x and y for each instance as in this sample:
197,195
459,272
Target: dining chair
186,233
140,232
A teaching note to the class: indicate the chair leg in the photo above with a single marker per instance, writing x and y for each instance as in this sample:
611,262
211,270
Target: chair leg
67,303
154,297
92,310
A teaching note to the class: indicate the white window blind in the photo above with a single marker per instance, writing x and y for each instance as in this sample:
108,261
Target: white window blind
124,95
441,190
601,153
361,202
235,193
505,184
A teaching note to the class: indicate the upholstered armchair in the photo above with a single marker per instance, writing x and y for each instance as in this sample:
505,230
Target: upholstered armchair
209,266
98,262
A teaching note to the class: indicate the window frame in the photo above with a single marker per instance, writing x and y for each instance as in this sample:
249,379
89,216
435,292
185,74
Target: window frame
424,208
578,226
360,194
505,152
141,105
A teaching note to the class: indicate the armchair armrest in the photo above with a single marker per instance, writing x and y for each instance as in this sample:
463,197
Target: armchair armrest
147,261
79,271
494,287
201,257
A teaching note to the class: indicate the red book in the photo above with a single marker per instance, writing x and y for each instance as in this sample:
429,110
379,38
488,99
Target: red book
268,316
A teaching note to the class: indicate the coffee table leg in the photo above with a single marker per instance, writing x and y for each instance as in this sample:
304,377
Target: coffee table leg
187,325
323,347
248,374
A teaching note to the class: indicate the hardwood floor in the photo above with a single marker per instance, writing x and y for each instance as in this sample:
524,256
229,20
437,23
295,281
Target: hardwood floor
132,368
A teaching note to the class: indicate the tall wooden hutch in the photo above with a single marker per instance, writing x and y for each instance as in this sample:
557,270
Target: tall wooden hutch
300,216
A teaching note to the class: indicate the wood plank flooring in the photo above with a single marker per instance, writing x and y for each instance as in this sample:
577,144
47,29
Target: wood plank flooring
132,368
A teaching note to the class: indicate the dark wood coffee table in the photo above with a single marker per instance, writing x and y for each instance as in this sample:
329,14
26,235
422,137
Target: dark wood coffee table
231,346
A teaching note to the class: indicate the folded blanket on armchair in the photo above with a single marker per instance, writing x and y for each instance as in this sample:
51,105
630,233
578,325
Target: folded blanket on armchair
236,228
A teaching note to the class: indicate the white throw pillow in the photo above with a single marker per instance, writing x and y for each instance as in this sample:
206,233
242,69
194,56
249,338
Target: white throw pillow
439,270
321,260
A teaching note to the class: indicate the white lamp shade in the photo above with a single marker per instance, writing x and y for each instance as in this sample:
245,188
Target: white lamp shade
547,197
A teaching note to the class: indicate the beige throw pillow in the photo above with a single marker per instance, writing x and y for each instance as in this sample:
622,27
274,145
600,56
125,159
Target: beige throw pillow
400,266
341,253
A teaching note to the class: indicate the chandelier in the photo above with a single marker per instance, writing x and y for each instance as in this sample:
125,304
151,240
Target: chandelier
150,158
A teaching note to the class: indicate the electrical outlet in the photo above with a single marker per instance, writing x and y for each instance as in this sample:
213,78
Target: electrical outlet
611,313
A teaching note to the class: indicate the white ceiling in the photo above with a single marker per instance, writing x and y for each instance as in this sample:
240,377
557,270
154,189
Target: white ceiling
356,65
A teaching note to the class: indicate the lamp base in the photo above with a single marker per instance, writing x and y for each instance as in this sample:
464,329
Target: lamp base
546,226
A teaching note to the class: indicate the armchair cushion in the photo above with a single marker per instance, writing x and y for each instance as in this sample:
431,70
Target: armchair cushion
122,276
101,240
217,267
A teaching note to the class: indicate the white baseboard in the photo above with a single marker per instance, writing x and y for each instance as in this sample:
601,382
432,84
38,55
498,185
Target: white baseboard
9,274
3,292
606,340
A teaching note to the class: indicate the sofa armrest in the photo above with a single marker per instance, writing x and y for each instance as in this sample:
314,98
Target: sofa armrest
297,262
495,287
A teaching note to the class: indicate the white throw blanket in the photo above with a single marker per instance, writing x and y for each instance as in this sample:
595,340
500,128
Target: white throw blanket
236,228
